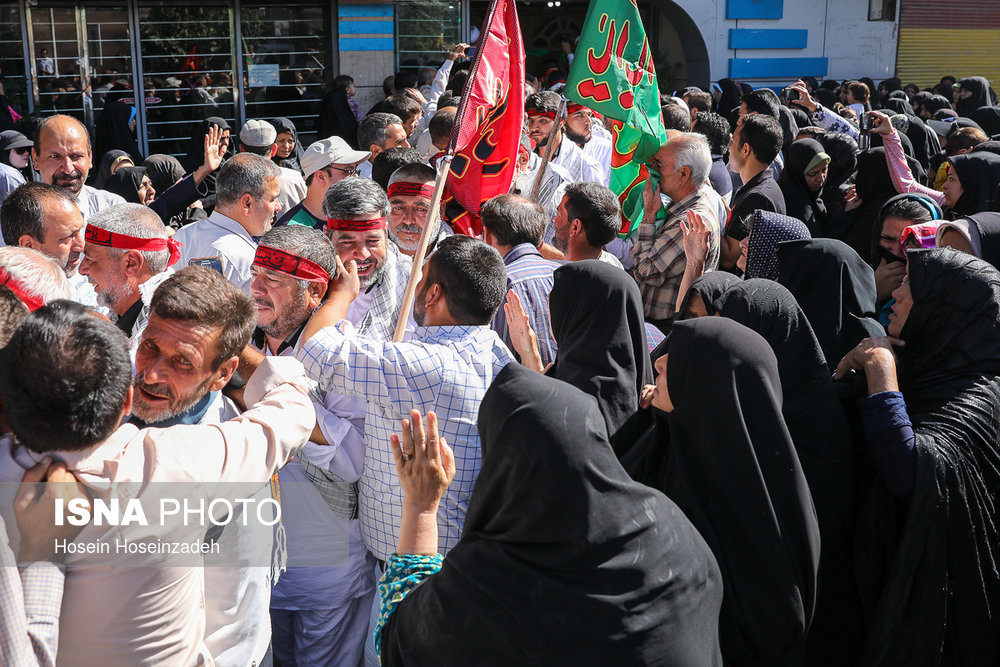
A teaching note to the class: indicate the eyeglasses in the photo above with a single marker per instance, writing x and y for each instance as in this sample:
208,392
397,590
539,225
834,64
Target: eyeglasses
349,172
21,151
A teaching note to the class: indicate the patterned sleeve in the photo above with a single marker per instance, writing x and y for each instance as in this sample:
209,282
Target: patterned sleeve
828,120
403,573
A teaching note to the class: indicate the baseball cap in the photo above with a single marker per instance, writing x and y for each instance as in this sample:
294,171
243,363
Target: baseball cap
11,139
325,152
257,133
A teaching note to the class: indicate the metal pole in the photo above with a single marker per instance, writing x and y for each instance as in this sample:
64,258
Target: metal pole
237,50
28,40
138,80
87,92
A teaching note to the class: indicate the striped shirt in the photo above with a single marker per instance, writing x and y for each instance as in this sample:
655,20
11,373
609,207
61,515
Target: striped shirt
443,369
530,276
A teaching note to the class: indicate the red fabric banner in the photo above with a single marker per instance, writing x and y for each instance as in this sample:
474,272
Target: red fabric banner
488,125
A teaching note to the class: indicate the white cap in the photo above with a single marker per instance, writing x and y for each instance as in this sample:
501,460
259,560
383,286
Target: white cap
257,133
325,152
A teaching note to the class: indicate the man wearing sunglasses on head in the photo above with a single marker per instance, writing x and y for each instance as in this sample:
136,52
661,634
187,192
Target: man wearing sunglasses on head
323,164
14,151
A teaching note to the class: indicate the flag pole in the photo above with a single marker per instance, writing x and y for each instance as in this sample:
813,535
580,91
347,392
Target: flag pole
536,186
444,166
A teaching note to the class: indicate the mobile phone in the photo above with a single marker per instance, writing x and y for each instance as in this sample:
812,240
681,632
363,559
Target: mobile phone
790,94
867,122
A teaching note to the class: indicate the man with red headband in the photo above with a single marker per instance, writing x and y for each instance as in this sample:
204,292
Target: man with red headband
356,210
319,607
126,256
567,159
580,130
411,188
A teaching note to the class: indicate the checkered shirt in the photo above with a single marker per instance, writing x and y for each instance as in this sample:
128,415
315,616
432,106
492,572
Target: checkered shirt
445,369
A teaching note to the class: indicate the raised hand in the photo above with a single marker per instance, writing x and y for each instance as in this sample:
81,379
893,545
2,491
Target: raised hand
697,238
425,464
522,336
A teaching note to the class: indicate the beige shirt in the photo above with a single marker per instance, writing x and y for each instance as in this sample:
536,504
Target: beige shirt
156,615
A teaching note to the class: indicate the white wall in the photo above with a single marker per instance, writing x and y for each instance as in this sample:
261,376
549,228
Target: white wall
838,30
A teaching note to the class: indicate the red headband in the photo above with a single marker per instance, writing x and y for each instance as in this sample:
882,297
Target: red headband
289,264
573,107
538,113
341,225
402,189
17,287
125,242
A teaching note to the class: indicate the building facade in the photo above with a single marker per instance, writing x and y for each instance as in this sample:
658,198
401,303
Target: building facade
242,59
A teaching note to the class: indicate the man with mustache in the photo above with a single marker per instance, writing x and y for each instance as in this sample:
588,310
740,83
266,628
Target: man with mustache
246,191
566,159
356,210
319,607
126,258
411,188
62,155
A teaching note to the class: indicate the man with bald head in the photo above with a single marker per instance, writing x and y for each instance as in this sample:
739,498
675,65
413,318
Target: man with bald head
62,155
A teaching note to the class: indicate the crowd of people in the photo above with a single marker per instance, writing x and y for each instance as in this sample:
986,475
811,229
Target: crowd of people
761,429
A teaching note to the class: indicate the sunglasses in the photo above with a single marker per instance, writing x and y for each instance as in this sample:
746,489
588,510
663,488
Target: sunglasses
21,151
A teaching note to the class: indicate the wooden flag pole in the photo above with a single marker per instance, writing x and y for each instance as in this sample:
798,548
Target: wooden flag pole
536,186
444,166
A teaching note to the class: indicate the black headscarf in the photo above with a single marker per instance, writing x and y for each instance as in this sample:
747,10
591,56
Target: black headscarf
104,168
979,174
163,171
730,98
926,146
125,182
734,473
597,323
836,290
935,103
800,201
874,186
843,152
927,564
988,118
709,286
770,229
899,105
822,439
789,128
980,89
337,119
988,228
562,556
112,131
292,161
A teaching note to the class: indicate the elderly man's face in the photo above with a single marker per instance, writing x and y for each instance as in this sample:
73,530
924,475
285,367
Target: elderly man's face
106,273
62,155
673,182
174,368
368,249
281,304
407,219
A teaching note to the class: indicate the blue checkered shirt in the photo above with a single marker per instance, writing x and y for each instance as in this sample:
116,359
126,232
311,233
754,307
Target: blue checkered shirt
530,276
445,369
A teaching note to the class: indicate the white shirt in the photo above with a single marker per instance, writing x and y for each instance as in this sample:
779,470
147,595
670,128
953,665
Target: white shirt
93,200
599,148
155,615
365,169
578,165
221,241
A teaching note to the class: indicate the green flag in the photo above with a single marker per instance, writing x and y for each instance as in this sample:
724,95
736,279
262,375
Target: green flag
613,74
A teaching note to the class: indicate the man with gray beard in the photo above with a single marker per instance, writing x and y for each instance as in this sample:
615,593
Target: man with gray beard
356,210
126,257
411,189
319,607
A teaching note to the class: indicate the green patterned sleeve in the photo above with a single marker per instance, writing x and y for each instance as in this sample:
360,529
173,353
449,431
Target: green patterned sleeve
403,573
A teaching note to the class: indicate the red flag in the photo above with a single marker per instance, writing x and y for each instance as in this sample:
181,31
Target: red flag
488,124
